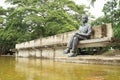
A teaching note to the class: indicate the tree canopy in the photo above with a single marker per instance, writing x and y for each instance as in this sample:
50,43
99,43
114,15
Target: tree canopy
32,19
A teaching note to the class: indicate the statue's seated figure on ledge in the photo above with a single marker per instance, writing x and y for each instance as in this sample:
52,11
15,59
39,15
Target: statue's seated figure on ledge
83,33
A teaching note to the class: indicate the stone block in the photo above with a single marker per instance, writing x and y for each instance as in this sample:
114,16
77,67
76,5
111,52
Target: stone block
48,53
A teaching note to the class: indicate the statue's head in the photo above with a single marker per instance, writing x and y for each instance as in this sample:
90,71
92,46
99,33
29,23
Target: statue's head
84,18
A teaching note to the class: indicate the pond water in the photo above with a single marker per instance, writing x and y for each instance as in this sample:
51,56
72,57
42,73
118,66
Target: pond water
37,69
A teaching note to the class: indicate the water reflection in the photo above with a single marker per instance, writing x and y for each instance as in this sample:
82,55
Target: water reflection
37,69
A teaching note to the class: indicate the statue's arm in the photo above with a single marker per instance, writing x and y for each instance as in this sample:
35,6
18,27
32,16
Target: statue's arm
86,34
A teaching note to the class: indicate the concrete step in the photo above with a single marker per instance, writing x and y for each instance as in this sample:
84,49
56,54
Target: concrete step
90,59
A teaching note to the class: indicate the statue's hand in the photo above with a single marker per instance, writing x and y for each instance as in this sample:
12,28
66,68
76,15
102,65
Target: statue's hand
76,33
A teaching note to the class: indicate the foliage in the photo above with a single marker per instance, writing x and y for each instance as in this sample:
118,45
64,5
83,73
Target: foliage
112,11
32,19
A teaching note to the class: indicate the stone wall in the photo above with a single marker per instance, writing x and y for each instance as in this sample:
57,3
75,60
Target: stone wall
41,53
53,46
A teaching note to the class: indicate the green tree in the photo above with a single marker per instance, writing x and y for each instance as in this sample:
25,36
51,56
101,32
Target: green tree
112,11
32,19
47,12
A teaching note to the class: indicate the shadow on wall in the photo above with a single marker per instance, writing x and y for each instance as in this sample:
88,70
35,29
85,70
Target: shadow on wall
9,52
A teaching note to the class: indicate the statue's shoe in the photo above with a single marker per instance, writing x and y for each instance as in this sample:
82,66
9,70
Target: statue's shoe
66,51
72,55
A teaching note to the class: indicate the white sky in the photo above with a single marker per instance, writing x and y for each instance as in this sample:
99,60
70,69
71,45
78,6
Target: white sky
5,5
96,10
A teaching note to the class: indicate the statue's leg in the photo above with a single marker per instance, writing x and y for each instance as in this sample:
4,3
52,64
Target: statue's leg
76,40
75,43
74,46
69,45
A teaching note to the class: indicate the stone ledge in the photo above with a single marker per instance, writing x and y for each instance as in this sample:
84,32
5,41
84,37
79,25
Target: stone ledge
111,60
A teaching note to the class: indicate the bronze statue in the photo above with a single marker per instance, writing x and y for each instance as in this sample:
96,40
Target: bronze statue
83,33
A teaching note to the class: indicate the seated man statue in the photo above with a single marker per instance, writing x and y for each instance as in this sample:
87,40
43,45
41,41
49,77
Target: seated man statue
83,33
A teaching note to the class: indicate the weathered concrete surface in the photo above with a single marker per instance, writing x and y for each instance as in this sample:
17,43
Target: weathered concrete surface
44,52
88,59
101,36
53,46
